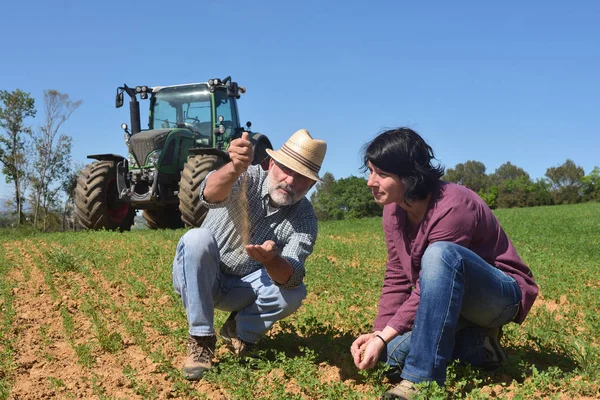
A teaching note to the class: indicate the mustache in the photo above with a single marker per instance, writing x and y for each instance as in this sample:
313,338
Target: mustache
290,190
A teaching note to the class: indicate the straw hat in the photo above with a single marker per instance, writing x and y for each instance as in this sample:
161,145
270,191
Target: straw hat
301,153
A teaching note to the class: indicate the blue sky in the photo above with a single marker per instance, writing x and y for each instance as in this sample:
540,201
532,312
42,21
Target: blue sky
491,81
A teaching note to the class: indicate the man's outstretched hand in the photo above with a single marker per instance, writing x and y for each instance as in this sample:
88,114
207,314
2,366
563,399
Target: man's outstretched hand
263,253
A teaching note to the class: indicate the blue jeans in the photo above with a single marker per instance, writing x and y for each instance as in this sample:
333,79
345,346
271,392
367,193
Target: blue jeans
461,294
203,288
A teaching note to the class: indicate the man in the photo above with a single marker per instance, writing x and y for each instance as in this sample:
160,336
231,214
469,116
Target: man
248,256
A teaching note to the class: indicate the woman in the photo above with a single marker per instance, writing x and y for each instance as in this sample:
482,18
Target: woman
453,278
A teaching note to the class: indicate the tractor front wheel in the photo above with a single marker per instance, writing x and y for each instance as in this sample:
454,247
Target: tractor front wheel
97,199
194,171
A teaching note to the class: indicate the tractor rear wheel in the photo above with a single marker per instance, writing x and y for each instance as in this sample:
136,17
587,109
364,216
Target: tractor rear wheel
97,199
166,218
194,171
261,144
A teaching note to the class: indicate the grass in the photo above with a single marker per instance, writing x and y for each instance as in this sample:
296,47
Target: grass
8,337
112,297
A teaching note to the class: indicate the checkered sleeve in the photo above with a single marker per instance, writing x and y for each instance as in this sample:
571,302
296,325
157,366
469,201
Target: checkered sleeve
299,247
253,176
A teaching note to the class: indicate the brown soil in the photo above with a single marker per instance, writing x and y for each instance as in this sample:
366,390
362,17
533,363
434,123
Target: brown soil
47,364
46,360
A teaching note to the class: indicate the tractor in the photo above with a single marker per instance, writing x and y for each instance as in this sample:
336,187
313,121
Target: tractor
189,130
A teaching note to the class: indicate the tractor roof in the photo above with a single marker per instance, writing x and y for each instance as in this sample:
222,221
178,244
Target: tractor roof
159,88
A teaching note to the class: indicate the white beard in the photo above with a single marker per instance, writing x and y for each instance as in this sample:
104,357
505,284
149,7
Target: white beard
278,198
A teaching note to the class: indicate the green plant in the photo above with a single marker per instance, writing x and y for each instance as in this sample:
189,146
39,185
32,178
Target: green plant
118,306
56,383
84,354
63,261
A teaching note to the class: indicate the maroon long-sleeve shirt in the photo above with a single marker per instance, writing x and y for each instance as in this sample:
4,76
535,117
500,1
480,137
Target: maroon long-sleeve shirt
454,214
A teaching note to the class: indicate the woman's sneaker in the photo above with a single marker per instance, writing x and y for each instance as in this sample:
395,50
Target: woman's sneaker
495,356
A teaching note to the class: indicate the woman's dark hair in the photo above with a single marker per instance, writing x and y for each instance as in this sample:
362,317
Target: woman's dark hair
404,153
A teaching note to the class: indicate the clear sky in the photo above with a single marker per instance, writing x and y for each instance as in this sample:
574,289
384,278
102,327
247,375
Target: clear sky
491,81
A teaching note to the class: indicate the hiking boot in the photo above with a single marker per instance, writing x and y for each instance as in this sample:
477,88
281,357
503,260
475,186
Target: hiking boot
229,334
405,390
200,350
495,356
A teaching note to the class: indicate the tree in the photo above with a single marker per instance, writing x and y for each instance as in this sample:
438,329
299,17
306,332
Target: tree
515,192
566,181
355,198
344,199
53,153
470,174
518,192
322,195
17,106
507,171
590,186
541,193
68,185
490,196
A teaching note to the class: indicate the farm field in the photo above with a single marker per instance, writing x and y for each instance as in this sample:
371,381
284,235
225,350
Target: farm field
93,315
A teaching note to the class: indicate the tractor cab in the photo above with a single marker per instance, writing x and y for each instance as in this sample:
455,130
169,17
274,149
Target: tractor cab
196,108
180,118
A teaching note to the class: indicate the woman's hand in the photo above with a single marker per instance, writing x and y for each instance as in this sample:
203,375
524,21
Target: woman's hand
366,350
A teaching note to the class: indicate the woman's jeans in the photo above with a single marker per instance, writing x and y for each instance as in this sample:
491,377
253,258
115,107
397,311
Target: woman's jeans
461,295
202,286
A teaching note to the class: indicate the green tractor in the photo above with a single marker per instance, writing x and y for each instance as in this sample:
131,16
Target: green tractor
189,130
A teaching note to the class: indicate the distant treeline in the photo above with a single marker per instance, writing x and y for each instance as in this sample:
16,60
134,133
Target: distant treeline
509,186
37,162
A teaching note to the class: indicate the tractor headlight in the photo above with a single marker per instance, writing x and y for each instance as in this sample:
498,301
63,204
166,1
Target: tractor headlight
126,137
132,162
153,157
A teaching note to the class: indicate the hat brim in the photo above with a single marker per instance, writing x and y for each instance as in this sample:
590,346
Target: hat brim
293,165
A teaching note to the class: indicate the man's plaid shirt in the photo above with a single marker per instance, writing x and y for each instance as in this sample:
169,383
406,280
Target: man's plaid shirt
293,228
